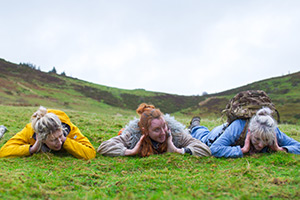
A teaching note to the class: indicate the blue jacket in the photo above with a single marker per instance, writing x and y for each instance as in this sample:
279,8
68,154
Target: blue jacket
220,146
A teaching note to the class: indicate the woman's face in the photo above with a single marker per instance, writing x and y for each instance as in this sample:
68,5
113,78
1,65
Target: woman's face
158,130
55,140
258,143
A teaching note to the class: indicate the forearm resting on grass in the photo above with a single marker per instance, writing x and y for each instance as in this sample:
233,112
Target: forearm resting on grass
115,146
136,149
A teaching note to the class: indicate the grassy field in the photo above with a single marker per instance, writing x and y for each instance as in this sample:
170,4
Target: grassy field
168,176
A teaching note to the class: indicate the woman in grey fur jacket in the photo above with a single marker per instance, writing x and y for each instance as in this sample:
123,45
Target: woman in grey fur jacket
153,133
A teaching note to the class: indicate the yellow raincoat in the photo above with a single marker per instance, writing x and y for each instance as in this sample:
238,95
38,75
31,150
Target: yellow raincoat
76,143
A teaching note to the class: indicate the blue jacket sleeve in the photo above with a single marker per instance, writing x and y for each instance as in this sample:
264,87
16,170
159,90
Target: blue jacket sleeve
285,141
222,146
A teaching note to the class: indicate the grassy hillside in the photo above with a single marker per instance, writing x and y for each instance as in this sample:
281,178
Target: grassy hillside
21,85
284,92
167,176
24,86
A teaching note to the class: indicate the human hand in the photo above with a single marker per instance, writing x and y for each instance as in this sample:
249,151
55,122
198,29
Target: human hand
246,146
136,149
276,147
35,148
171,147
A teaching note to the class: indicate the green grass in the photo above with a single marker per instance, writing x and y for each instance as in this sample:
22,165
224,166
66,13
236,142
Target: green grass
167,176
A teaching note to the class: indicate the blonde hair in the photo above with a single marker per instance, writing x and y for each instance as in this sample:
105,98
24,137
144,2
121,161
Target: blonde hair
262,125
44,123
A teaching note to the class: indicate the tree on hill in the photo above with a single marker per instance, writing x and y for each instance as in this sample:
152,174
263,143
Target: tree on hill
53,70
30,65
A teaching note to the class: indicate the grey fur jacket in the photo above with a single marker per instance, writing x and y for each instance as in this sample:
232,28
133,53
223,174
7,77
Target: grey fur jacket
116,146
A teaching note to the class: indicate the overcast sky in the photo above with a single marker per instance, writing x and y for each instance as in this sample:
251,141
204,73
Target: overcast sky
180,47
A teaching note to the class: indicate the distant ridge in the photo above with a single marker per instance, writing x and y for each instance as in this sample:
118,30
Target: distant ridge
26,86
23,85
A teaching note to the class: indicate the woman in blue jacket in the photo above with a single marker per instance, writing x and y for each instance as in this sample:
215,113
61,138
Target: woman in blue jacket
260,135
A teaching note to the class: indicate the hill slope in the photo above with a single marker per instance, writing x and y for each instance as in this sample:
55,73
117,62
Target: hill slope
284,92
23,85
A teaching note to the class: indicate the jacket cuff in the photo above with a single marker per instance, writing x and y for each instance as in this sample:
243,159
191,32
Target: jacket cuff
188,150
123,151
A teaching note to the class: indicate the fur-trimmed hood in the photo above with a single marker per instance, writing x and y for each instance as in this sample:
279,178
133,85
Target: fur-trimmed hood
176,130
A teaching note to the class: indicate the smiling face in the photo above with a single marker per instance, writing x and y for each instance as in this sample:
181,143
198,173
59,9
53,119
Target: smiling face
158,130
55,140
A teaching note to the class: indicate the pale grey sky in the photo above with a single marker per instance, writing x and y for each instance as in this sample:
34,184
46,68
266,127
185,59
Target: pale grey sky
180,47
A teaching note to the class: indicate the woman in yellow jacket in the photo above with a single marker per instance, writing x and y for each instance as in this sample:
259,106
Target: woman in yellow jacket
49,130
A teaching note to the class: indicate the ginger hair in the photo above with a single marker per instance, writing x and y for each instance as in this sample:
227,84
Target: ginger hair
147,114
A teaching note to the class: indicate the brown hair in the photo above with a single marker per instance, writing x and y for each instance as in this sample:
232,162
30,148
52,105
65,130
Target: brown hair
147,114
